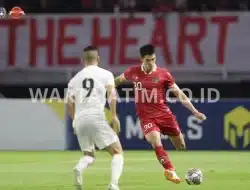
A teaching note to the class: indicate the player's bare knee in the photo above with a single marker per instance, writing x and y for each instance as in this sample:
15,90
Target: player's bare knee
113,151
182,146
154,138
91,154
154,142
178,142
115,148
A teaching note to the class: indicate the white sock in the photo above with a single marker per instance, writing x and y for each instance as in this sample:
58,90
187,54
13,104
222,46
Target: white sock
84,162
116,168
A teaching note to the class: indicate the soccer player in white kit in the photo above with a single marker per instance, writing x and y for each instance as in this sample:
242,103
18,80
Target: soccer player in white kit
86,99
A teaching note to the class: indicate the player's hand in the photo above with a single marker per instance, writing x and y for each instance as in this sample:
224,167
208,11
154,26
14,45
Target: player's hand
115,123
200,116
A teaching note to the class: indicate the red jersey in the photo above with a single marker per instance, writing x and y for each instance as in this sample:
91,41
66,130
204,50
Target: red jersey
150,91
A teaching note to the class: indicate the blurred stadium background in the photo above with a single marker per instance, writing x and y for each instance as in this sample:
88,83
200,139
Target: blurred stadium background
205,44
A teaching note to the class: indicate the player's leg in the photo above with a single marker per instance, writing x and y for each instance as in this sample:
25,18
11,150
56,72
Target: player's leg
171,128
178,142
106,138
85,161
153,136
87,147
115,150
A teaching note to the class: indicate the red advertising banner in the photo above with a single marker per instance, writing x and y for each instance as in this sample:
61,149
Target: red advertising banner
56,41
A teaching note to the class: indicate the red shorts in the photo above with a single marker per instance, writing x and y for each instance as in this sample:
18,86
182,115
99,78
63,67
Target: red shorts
165,125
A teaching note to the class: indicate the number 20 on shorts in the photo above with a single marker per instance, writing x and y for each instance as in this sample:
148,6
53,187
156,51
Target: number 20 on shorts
147,126
138,85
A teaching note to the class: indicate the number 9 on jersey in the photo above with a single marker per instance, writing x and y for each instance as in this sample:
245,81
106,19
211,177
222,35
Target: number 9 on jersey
88,84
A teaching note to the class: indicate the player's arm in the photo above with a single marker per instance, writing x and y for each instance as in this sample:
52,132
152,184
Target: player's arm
70,99
182,98
111,94
112,99
185,101
119,80
70,109
170,82
126,76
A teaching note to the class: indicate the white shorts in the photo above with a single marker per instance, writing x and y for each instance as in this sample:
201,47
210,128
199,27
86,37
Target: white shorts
94,130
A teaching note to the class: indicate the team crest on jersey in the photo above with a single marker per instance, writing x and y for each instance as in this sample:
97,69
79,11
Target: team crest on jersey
155,79
135,77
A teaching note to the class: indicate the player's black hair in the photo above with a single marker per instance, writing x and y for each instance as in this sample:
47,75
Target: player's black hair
90,53
147,49
90,48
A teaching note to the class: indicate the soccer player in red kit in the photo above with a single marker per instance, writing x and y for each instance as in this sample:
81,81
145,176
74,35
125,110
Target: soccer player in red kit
150,86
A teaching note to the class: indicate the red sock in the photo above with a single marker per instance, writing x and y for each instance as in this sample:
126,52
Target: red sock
163,158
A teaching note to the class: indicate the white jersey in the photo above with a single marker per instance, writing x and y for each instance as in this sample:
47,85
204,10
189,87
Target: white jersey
88,87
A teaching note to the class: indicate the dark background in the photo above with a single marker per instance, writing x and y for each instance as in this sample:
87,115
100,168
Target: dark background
93,6
226,89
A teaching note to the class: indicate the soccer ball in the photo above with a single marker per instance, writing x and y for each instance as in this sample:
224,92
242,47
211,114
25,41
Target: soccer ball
194,176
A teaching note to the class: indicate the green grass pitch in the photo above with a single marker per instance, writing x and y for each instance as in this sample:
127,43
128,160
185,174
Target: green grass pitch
53,171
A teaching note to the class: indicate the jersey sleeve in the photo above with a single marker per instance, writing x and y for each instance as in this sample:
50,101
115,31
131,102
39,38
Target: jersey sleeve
110,79
128,74
169,79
